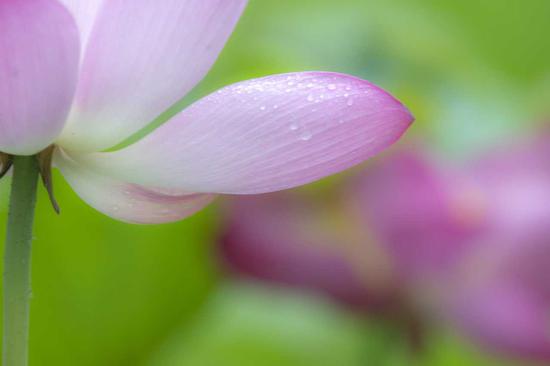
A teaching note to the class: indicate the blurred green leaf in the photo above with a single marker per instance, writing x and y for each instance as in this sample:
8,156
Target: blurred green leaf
250,325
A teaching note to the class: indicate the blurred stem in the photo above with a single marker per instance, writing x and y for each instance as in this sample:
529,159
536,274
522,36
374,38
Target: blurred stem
17,261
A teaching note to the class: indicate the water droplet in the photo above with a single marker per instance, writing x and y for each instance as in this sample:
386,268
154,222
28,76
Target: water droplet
350,102
305,136
294,127
275,106
290,83
310,98
348,88
262,108
331,87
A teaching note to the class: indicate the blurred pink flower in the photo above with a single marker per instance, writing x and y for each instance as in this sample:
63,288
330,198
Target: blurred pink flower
391,234
505,301
288,239
476,235
87,74
504,296
466,243
425,215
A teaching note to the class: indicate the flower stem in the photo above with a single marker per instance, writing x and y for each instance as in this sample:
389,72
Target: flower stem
17,261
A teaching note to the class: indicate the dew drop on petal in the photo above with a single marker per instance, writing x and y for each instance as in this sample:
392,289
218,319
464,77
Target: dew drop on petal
305,136
350,102
331,87
310,98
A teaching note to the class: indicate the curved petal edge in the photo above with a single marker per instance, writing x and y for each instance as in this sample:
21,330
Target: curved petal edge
39,44
129,202
141,57
264,135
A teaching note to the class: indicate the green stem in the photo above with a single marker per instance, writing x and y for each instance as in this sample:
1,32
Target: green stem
17,261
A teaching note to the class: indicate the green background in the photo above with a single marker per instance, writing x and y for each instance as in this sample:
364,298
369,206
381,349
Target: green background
474,72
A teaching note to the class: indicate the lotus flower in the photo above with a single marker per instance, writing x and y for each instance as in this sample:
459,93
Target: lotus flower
504,298
84,75
476,234
289,239
322,247
469,244
425,215
503,303
399,223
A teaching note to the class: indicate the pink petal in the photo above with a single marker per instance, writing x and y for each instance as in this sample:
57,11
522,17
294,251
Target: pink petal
425,215
503,293
281,238
264,135
141,57
38,72
129,202
507,317
516,179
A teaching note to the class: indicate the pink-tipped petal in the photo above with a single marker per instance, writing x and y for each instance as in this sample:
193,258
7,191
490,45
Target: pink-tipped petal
39,53
129,202
141,57
264,135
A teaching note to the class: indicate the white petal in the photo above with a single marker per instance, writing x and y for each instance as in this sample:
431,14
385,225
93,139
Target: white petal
84,12
141,57
129,202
